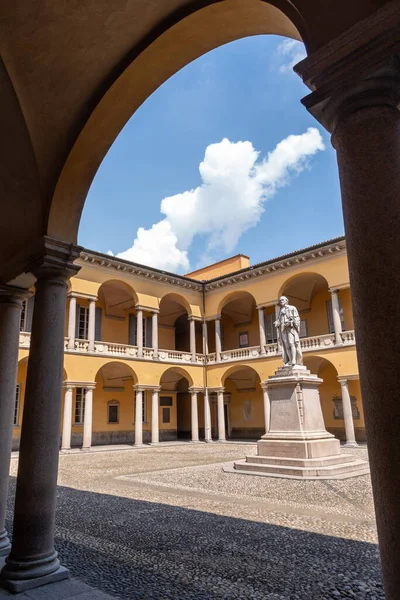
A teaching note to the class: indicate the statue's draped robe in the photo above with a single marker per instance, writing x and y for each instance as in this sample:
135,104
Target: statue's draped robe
289,336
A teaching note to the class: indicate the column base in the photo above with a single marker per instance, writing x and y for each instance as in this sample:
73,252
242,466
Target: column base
222,441
209,441
86,449
194,441
141,445
350,445
5,545
151,443
21,585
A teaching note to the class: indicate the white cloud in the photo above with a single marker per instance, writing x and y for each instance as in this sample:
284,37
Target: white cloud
230,200
291,52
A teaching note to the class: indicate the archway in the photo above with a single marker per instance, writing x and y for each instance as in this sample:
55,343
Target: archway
113,405
116,314
309,292
175,403
243,403
173,324
239,324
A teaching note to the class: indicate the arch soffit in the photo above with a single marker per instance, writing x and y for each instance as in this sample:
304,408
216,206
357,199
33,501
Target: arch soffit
232,296
141,71
317,363
234,369
178,370
115,374
172,296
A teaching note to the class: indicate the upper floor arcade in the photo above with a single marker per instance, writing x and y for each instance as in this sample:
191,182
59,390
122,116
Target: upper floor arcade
121,309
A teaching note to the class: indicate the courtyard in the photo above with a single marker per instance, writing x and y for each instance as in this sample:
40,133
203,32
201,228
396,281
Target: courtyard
166,522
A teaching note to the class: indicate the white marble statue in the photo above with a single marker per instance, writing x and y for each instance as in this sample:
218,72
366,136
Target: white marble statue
288,332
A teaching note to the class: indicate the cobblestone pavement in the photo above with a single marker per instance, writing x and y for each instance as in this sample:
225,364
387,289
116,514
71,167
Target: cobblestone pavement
167,522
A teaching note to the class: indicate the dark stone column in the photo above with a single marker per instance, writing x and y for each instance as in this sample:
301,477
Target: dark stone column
33,561
10,318
358,100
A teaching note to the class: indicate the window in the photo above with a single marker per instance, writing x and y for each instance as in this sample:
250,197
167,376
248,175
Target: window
166,415
17,401
243,339
147,331
270,330
330,315
24,314
166,401
79,406
113,411
303,328
83,322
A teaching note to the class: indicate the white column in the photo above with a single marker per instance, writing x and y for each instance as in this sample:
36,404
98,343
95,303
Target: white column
155,435
267,408
154,334
194,417
192,339
67,418
139,418
91,325
71,323
218,340
261,324
337,323
205,339
207,418
139,332
221,417
87,419
348,415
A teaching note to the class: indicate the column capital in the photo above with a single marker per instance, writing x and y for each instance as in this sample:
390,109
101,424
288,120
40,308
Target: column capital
83,296
68,386
196,390
142,387
357,70
216,390
8,292
54,259
89,386
347,378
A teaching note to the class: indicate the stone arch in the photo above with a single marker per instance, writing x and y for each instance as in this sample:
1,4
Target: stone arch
117,297
233,297
174,327
243,402
178,299
175,370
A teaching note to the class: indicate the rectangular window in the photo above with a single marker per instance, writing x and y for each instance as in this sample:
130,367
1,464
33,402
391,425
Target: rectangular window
330,315
166,401
166,415
113,412
24,313
270,330
243,339
83,323
17,402
303,328
79,406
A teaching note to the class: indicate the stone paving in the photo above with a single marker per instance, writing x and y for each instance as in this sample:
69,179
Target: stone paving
166,522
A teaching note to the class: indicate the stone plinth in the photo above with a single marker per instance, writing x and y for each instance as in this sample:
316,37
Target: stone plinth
297,444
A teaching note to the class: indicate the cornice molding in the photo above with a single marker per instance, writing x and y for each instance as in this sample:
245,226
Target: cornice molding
82,295
276,265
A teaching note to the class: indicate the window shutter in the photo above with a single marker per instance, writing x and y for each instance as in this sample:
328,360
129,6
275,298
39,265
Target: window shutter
132,330
149,332
78,308
330,316
31,304
97,327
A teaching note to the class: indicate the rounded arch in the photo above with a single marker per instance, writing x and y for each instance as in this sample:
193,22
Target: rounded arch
117,297
239,295
115,374
302,287
179,40
169,377
178,299
244,374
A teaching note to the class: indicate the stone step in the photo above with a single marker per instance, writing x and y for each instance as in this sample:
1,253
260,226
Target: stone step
337,459
338,471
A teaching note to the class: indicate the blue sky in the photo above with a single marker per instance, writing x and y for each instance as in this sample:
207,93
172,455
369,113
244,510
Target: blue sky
246,92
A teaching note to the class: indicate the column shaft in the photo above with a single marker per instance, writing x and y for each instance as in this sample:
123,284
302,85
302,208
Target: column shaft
193,339
32,555
261,324
71,323
267,409
154,334
10,317
155,434
221,418
368,152
91,324
277,309
67,419
139,333
218,340
194,417
205,339
348,415
207,418
88,419
337,323
139,418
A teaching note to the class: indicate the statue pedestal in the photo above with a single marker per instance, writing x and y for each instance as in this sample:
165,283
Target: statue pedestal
297,444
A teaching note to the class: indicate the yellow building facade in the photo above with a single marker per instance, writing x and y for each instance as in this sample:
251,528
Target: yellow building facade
151,356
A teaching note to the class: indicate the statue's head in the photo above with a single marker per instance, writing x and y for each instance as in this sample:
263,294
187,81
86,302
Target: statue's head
283,301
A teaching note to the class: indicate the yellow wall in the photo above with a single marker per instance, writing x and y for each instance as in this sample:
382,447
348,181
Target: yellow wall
224,267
